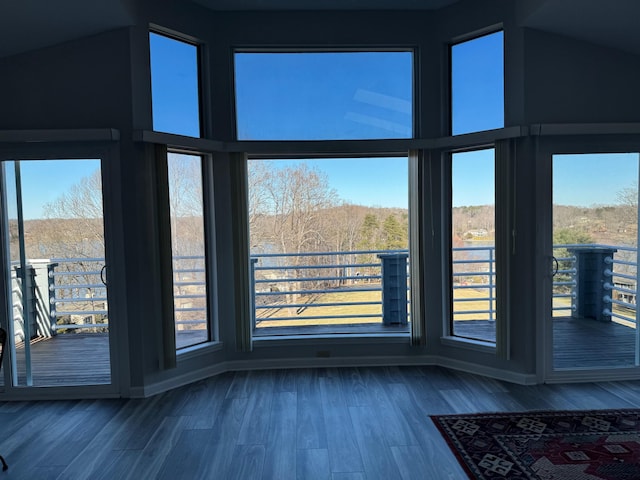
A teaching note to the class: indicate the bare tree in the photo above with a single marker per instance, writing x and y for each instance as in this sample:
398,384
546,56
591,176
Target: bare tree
294,200
628,199
294,197
80,207
186,204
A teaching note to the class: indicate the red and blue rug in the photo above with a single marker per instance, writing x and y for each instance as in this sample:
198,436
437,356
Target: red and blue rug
563,445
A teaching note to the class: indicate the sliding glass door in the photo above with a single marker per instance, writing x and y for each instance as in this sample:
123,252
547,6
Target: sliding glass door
595,261
55,271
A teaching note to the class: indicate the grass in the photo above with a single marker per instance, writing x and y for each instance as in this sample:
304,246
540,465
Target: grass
345,314
470,299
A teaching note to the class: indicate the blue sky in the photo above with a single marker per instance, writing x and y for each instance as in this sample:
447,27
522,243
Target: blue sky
473,178
348,95
593,179
375,182
44,181
477,84
321,96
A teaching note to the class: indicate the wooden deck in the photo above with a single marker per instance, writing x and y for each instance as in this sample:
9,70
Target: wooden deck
578,343
77,359
83,359
69,359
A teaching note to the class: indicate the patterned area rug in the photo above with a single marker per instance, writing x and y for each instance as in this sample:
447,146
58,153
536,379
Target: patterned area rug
567,445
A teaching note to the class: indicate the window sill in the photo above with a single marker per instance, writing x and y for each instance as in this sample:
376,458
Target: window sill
469,344
198,350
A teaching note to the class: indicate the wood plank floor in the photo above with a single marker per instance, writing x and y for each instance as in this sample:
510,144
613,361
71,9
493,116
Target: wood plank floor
334,423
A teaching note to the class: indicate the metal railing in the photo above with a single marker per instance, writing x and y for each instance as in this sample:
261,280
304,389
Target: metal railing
310,288
77,294
474,283
326,287
189,292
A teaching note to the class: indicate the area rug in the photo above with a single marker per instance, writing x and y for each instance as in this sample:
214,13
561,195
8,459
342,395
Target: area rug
562,445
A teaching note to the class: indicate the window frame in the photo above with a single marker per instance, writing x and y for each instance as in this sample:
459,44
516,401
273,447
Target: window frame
449,329
206,176
416,329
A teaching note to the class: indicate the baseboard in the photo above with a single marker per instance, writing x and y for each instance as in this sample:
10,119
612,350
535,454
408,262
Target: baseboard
576,376
178,381
495,373
373,361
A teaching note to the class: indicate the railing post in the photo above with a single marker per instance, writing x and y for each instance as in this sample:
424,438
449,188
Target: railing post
42,282
51,297
252,286
394,288
592,299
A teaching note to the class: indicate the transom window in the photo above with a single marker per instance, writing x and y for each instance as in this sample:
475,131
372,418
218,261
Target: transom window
324,95
174,86
477,84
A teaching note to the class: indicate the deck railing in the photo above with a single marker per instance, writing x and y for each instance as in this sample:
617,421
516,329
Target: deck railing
70,293
357,286
473,275
609,275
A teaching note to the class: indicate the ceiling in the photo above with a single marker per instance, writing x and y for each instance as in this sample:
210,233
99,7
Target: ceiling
613,23
31,24
325,4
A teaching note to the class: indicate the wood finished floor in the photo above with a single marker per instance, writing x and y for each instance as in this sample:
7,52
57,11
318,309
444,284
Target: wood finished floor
335,423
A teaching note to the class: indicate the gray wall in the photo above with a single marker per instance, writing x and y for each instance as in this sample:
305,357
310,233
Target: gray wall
569,81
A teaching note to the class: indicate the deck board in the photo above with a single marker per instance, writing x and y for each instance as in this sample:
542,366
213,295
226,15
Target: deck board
83,358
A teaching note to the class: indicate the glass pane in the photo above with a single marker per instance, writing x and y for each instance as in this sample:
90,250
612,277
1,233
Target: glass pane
473,253
329,245
59,332
595,239
188,246
174,86
324,96
477,84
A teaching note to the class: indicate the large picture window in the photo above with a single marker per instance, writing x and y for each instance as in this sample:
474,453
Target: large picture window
329,246
324,95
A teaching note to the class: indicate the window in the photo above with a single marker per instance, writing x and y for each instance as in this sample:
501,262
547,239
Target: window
473,272
174,86
477,84
329,245
188,249
324,95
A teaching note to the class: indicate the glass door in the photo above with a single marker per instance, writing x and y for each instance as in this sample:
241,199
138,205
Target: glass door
595,261
56,272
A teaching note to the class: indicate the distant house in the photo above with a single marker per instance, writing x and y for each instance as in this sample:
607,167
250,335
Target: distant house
480,232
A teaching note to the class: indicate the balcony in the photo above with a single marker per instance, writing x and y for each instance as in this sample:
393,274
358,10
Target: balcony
363,292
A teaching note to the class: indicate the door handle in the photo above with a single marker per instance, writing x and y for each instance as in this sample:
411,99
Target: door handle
103,275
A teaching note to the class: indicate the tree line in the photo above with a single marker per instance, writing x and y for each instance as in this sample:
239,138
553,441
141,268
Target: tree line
292,209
